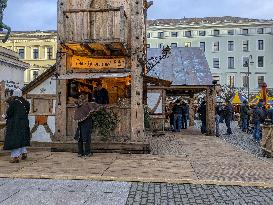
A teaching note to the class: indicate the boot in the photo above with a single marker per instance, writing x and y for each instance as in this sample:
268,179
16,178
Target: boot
87,149
80,149
14,160
24,156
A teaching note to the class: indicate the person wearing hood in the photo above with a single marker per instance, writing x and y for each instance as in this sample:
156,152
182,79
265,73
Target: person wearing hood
17,136
83,116
244,116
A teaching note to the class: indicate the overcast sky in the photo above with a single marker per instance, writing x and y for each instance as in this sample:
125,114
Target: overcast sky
41,14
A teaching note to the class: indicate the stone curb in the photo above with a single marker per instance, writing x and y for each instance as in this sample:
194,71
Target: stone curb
146,180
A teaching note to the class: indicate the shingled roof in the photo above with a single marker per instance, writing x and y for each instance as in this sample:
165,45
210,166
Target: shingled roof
185,66
205,20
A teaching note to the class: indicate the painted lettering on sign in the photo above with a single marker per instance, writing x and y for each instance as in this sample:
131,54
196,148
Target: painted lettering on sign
79,62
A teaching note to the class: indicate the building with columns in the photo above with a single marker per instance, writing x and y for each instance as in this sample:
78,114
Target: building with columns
231,45
37,48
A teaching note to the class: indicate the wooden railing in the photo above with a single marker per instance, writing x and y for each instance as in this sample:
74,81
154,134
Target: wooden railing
95,25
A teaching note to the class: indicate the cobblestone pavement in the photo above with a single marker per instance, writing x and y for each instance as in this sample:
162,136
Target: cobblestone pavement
186,194
83,192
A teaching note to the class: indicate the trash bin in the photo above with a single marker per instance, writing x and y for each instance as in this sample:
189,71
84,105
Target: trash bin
267,140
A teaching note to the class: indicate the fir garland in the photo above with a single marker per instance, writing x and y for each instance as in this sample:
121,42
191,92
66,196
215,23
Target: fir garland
104,122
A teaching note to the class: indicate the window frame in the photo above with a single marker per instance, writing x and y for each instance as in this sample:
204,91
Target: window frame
233,63
47,53
33,53
258,81
260,57
258,29
232,46
176,34
188,36
260,44
176,45
245,31
231,34
160,34
24,53
246,50
215,46
213,63
188,44
203,31
204,50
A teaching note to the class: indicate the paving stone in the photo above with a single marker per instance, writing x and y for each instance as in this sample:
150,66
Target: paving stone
211,194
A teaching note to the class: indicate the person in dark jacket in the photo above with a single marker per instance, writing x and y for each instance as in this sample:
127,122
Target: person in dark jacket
202,110
17,136
244,116
83,117
258,118
185,112
218,111
177,112
101,94
228,115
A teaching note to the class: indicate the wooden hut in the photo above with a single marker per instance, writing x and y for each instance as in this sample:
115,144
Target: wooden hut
188,70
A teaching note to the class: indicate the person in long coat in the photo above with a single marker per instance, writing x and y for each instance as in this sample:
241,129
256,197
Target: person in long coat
17,136
83,116
202,110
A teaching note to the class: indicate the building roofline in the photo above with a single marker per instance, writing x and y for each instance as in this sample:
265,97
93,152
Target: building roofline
40,79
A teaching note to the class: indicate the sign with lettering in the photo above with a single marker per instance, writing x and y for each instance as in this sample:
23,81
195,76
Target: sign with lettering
78,62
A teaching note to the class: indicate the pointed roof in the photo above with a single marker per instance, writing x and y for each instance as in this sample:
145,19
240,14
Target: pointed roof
185,66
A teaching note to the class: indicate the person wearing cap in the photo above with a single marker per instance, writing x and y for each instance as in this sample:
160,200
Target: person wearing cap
17,136
244,116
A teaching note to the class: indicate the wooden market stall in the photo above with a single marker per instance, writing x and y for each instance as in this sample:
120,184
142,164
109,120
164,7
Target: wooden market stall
101,41
188,70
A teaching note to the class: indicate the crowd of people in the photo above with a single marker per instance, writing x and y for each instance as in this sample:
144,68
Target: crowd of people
250,117
179,115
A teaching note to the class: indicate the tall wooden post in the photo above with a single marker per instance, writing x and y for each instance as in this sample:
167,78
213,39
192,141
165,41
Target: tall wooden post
210,98
60,134
191,110
137,49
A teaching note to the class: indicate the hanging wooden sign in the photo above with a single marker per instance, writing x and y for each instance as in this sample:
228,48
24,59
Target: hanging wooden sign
78,62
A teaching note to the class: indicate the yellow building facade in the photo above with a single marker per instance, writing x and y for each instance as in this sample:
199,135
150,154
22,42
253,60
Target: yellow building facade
38,48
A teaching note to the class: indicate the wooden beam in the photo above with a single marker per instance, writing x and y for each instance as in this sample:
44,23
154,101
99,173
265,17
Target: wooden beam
90,10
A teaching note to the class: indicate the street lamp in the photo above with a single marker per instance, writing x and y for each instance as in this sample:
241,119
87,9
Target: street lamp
248,63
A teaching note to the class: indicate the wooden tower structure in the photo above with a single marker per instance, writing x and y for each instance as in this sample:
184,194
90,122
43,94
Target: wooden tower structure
102,40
